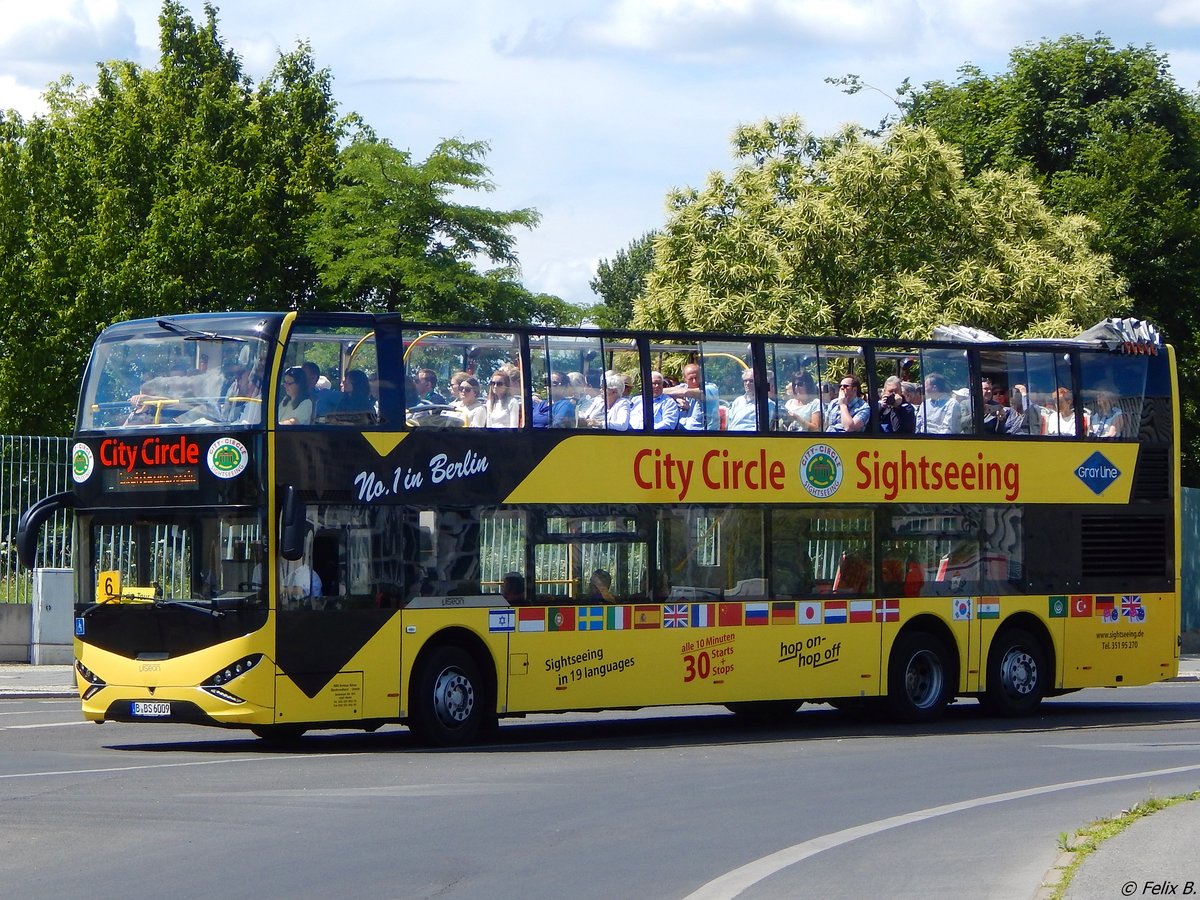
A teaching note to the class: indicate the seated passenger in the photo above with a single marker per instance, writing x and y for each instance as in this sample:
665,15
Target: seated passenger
802,411
356,396
698,406
615,413
896,414
849,412
743,411
469,404
1107,419
426,385
664,410
243,400
295,408
512,588
557,410
1020,420
503,407
1059,419
600,587
940,413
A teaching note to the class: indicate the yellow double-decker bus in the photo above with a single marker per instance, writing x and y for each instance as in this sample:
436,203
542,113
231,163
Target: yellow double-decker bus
295,521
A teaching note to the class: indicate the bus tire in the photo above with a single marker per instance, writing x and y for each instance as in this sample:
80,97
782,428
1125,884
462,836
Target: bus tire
1016,674
448,699
920,678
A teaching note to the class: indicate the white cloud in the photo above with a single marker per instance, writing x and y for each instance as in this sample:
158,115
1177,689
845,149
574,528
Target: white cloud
1179,14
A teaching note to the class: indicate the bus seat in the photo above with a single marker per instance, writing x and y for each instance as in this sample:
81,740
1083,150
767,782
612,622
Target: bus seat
748,587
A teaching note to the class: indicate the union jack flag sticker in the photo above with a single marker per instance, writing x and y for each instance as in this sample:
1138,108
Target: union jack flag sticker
675,615
1132,608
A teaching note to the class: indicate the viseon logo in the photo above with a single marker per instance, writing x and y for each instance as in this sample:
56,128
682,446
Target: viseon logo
1097,472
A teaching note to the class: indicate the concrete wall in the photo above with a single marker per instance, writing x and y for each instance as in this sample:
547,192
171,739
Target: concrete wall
16,621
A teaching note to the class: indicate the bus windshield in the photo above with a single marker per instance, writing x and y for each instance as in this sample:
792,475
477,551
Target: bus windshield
190,370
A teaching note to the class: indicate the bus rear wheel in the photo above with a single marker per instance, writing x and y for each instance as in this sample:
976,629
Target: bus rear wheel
448,699
920,682
1016,674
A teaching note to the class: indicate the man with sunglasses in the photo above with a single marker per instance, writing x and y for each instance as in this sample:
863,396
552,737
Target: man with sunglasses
849,411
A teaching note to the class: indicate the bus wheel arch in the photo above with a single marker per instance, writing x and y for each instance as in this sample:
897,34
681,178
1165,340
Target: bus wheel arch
452,690
922,671
1020,666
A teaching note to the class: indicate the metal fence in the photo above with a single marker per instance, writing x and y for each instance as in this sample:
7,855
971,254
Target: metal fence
31,468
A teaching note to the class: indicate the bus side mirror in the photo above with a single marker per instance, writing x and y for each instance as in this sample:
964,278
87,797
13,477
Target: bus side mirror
294,526
31,521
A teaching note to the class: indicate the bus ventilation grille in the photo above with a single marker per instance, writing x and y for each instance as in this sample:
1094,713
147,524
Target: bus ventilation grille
1123,546
1153,478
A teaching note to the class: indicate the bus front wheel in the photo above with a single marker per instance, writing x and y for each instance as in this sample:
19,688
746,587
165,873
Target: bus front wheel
1016,674
448,702
920,683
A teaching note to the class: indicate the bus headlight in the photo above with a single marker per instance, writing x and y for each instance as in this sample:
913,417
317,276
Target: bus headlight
95,682
214,683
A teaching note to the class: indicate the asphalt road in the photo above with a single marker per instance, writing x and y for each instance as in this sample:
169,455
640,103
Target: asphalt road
692,803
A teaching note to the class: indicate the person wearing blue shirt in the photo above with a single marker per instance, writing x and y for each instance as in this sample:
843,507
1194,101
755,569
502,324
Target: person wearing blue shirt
698,406
558,410
664,409
849,412
743,411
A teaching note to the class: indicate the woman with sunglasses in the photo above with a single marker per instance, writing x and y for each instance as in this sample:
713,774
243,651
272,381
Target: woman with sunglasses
468,402
295,408
503,408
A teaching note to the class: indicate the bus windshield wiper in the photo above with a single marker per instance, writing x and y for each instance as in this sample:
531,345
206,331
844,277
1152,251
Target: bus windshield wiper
191,334
193,605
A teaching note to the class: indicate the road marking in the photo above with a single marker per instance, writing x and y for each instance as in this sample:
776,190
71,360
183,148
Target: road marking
182,765
43,725
733,883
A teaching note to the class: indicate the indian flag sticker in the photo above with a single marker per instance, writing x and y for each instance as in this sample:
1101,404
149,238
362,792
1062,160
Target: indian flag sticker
821,471
82,463
227,458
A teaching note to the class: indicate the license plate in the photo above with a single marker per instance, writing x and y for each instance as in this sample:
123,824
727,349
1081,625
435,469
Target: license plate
146,708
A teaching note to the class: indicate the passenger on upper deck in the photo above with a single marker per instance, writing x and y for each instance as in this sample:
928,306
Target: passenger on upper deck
356,398
1020,420
503,408
473,410
849,412
1107,419
699,406
664,409
615,414
940,413
994,414
243,400
426,382
557,410
802,411
1060,418
295,408
743,411
896,414
325,399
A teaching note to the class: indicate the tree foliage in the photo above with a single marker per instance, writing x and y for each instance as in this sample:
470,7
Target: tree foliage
179,189
1104,132
188,188
622,281
389,236
846,235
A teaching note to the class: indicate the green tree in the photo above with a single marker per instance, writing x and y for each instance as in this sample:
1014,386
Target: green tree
845,235
172,190
622,281
389,236
1105,132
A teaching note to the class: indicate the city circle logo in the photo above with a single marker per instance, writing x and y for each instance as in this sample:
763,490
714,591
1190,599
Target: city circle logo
821,471
227,458
82,462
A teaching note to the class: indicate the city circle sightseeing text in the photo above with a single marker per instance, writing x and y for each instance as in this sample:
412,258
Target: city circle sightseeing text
894,477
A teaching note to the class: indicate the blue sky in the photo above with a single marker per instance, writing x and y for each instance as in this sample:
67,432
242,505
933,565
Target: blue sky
594,109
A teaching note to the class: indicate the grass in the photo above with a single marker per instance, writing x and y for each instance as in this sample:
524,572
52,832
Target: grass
1083,842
